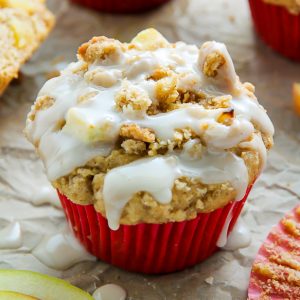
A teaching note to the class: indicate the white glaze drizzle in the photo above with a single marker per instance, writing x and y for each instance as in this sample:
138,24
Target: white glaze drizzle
63,150
157,175
239,237
109,291
46,195
221,242
11,236
60,251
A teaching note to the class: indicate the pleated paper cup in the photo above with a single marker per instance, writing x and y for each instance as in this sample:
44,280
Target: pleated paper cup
277,27
151,248
121,6
275,271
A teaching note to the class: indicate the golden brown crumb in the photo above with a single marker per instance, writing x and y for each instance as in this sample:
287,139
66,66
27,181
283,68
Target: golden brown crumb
133,131
131,96
166,91
212,63
160,73
100,48
86,97
59,125
42,103
291,227
226,118
231,19
134,147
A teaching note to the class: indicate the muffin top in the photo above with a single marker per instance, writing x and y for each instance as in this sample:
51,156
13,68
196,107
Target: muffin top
172,110
292,5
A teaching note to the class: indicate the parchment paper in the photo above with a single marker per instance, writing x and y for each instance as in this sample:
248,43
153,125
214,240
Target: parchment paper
193,21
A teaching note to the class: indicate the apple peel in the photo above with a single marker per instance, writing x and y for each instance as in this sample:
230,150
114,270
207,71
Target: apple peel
39,286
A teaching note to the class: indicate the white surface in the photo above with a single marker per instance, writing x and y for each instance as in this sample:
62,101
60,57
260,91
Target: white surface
11,236
276,192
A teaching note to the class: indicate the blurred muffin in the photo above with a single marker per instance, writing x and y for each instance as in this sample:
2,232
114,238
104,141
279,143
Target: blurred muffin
121,6
146,138
24,24
277,22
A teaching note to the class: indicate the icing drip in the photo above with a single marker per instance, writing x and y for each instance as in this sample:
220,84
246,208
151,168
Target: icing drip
224,234
11,236
239,237
109,292
60,251
122,182
226,79
161,171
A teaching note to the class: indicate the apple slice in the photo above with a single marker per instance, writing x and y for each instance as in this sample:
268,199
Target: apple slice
6,295
150,39
38,286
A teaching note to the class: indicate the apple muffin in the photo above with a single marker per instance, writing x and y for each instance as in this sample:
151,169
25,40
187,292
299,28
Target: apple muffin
150,131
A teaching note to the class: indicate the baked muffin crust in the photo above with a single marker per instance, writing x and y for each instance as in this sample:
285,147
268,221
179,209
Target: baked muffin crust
150,131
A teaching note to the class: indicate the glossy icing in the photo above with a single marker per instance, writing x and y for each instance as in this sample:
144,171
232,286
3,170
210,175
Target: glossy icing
92,127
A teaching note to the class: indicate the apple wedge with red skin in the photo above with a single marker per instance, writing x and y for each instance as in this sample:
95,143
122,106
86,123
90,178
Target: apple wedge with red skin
27,285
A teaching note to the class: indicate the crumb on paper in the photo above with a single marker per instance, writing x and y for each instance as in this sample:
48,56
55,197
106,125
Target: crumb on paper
296,97
231,19
209,280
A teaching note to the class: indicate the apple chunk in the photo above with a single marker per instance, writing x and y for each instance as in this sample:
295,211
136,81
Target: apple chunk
38,286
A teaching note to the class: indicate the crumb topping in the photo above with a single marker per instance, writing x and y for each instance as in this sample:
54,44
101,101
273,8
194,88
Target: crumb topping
173,107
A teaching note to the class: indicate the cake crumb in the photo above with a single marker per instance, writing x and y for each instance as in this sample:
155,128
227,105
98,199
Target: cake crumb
100,48
42,103
132,96
135,132
213,62
133,147
231,19
209,280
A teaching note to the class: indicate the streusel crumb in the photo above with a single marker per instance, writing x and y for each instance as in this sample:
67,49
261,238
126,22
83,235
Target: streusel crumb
133,131
212,63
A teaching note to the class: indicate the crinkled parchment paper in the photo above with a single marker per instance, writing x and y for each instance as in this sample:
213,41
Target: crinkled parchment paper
193,21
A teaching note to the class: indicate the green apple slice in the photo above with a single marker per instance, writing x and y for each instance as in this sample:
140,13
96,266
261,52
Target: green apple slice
5,295
39,286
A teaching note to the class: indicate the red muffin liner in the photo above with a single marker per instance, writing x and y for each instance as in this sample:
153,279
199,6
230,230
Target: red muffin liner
277,27
150,248
121,6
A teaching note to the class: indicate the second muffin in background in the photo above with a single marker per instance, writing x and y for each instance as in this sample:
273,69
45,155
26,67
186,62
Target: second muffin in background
278,23
153,148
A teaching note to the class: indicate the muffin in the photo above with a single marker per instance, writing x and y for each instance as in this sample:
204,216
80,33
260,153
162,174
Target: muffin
121,6
24,24
153,147
277,22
